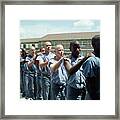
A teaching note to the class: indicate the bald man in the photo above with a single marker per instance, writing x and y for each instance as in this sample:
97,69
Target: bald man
59,74
45,70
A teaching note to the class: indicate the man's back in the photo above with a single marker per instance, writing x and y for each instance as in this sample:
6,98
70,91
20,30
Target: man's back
91,71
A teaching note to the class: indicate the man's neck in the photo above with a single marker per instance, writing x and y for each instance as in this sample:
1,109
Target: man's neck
96,54
57,58
73,56
47,52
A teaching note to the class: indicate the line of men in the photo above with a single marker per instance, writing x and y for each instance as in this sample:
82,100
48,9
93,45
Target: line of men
53,76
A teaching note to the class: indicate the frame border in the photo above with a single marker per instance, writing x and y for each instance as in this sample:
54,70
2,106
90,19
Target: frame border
59,2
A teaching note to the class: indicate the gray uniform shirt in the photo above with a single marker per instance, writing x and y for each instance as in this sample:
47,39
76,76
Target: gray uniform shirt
77,80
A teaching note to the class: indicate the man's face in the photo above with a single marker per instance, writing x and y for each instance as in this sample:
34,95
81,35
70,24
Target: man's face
59,51
75,49
48,46
32,51
42,50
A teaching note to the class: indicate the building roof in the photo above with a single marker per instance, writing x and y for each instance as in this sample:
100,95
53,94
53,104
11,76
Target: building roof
63,36
29,40
69,36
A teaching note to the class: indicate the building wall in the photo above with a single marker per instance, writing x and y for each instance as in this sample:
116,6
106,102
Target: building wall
84,43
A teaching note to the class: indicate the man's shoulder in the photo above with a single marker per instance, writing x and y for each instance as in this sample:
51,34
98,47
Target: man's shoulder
51,53
80,58
52,60
92,61
93,58
40,55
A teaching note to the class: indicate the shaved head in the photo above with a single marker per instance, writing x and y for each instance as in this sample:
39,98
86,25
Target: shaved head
58,46
47,46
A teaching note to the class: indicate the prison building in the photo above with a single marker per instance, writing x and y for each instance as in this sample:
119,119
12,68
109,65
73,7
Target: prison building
84,39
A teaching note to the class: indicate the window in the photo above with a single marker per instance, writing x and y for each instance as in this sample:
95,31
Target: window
27,45
21,46
36,45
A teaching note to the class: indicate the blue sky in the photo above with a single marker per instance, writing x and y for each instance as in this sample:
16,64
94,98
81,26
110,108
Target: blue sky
40,28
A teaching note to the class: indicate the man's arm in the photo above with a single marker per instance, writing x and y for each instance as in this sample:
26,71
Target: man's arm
30,63
67,65
72,69
56,65
43,64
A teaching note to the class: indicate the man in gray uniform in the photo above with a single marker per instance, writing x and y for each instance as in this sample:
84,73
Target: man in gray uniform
59,74
91,71
44,66
30,74
90,68
75,83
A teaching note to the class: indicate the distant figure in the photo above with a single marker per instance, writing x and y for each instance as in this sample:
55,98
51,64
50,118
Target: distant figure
30,74
42,50
22,62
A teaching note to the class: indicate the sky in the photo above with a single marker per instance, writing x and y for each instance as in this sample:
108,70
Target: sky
40,28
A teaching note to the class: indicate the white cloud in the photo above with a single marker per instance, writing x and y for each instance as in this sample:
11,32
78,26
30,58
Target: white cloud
86,25
83,23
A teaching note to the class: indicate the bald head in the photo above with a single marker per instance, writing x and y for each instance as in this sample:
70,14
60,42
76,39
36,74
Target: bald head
58,47
59,51
47,46
47,43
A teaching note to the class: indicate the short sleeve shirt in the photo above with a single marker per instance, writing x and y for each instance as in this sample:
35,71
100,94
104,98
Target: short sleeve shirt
60,76
77,80
43,58
91,69
29,58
